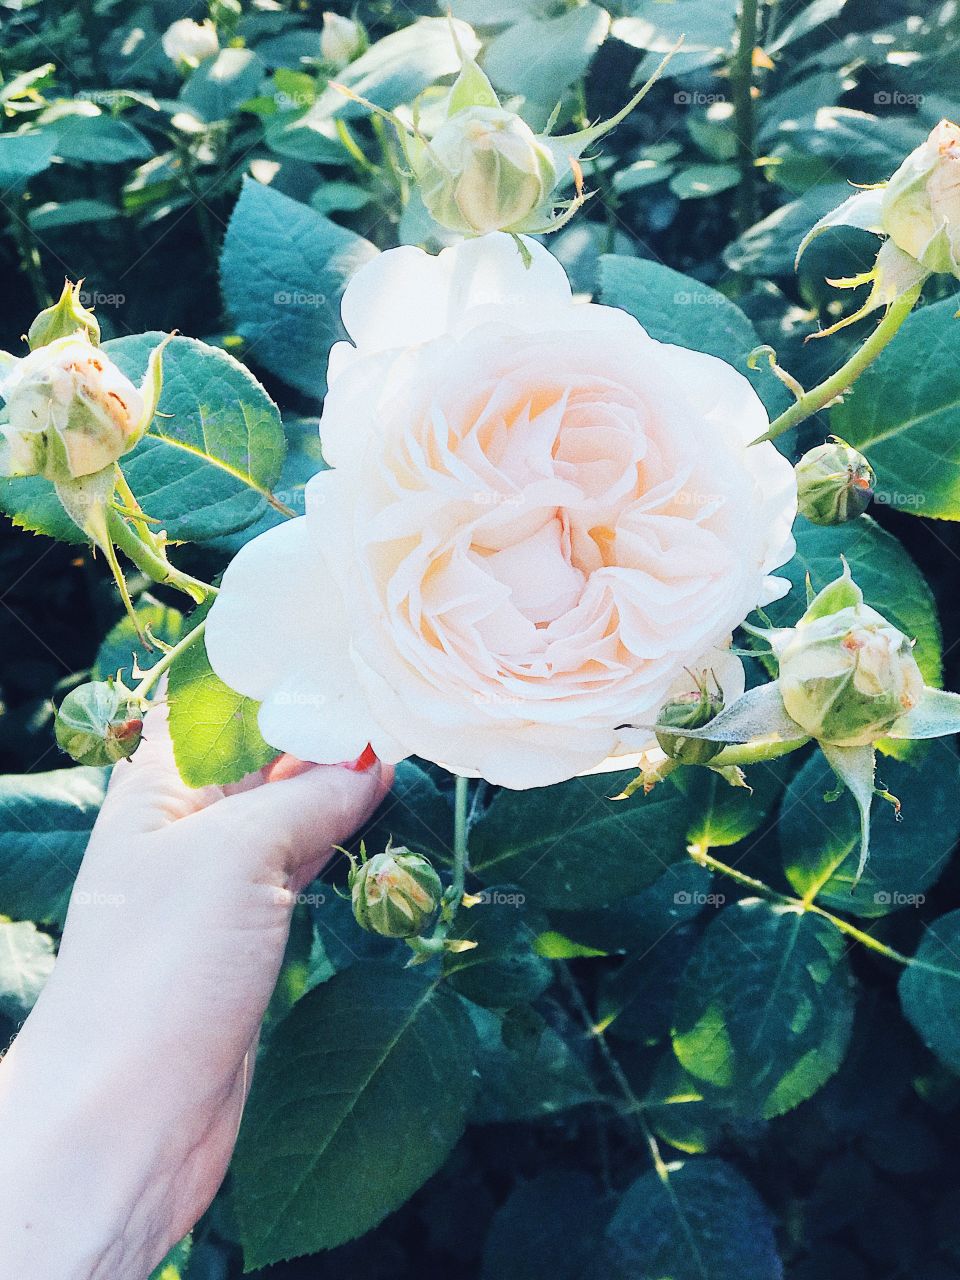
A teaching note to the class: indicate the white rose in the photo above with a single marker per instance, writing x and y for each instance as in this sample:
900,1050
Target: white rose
537,517
70,411
186,41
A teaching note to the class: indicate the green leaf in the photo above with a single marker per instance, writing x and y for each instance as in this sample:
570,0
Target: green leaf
121,645
638,923
209,461
45,823
721,814
401,65
678,309
890,581
565,48
706,25
26,961
360,1097
70,213
690,1114
502,970
219,85
820,842
547,1229
930,989
99,139
697,181
174,1265
284,269
765,1006
527,1073
216,447
770,246
24,155
392,71
701,1222
214,729
571,846
902,413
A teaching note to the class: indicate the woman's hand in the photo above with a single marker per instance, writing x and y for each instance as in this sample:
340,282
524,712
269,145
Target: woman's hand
121,1098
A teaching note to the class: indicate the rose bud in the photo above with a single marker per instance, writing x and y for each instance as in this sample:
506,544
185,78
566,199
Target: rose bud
690,710
834,483
70,411
846,677
99,723
188,43
341,40
484,170
920,208
396,893
66,318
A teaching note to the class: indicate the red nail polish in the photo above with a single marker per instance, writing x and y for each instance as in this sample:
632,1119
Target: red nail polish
366,760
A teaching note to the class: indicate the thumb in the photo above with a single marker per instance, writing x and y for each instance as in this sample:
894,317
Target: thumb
286,830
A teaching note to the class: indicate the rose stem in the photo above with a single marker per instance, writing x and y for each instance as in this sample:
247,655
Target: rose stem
153,565
460,799
741,76
634,1107
815,399
168,659
700,855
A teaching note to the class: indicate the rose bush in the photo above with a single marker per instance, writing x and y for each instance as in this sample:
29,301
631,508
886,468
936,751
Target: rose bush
655,1024
537,521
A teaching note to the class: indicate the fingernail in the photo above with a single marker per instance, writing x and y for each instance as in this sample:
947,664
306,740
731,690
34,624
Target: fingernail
366,760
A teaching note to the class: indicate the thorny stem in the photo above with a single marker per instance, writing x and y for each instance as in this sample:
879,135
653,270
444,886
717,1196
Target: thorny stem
28,253
818,397
741,77
154,565
168,659
634,1106
704,859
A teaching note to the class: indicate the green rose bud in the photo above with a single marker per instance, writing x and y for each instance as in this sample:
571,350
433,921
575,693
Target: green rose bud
690,710
341,40
920,208
70,411
484,170
834,483
99,723
66,318
396,893
847,676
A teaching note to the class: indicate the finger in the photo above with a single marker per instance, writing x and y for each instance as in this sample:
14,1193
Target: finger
286,830
147,792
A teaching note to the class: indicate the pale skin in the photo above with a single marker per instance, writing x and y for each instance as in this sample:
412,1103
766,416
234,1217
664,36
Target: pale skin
121,1097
